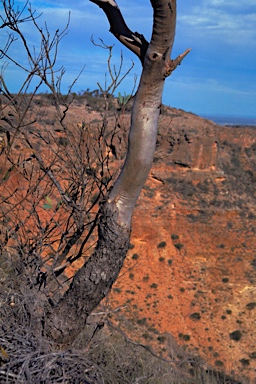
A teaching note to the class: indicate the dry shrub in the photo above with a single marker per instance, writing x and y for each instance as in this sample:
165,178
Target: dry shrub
26,354
107,356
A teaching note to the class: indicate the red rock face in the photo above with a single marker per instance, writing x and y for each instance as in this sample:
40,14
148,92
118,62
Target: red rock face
191,269
189,278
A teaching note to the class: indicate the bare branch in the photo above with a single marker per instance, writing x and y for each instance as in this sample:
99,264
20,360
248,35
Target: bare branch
171,65
95,278
132,40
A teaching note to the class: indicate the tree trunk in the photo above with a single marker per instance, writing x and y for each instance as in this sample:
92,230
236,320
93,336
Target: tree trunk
94,280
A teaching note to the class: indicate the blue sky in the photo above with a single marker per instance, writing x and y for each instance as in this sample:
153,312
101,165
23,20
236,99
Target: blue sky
218,77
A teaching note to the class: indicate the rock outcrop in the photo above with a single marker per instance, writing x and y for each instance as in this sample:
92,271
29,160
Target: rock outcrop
191,269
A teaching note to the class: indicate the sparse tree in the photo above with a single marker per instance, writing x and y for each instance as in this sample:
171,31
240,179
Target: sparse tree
63,320
94,280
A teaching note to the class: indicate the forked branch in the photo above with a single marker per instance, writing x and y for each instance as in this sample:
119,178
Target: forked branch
94,280
132,40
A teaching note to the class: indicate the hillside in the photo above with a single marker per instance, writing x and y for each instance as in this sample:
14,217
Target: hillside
190,272
189,277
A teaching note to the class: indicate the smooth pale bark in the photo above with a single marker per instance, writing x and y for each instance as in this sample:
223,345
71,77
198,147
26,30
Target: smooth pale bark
91,283
94,280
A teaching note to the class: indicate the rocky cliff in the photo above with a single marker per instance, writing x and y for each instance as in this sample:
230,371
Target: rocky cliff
190,271
189,278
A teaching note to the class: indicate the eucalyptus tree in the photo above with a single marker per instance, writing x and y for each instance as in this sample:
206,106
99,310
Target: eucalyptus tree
94,280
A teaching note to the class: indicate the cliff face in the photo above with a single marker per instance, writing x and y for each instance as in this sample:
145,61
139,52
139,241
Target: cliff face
189,277
191,268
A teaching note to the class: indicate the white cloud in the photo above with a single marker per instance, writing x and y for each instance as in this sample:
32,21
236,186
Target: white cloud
220,66
232,28
230,3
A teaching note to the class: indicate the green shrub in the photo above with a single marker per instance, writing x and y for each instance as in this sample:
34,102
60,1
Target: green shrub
161,339
162,244
236,335
184,337
142,321
245,362
195,316
179,246
218,363
251,306
146,336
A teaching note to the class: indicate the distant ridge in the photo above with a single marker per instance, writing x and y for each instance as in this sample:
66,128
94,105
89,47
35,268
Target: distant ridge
232,120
